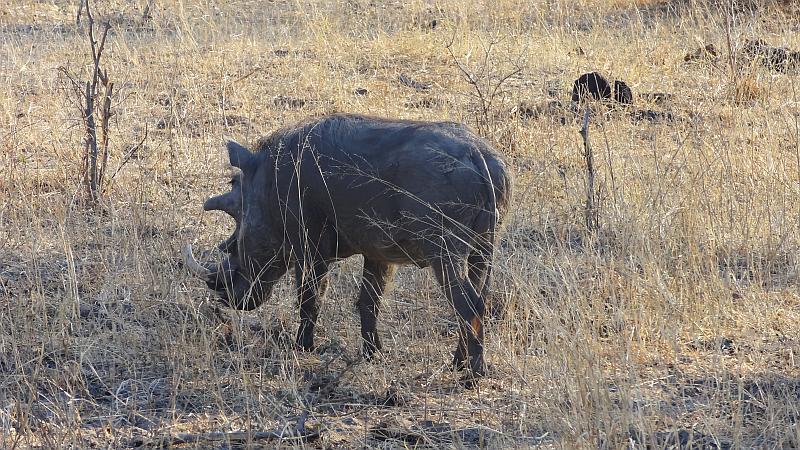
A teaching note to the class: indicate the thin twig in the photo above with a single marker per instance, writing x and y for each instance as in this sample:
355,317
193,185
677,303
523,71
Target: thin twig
90,144
729,17
146,13
77,87
591,208
130,154
80,12
248,74
486,84
104,118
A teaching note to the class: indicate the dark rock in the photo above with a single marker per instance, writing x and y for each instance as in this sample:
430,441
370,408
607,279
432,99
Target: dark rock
779,59
591,84
596,86
622,93
86,311
727,346
360,91
286,102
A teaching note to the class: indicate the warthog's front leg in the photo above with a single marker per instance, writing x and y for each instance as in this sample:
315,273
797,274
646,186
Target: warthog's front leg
375,278
311,284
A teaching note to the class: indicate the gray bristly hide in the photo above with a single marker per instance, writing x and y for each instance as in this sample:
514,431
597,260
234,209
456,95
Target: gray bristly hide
395,191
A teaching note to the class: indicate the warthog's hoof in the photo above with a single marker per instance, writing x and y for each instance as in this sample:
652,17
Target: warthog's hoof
371,345
474,369
459,363
304,343
371,352
470,378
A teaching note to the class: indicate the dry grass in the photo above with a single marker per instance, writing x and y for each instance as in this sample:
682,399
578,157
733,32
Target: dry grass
677,321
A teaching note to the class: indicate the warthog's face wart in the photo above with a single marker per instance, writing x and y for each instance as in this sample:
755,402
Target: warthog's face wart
255,261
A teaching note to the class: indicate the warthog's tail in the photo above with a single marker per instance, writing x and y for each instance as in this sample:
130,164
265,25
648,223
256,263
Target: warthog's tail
498,190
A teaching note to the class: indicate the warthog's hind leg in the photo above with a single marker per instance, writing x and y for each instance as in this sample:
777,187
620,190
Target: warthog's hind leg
470,308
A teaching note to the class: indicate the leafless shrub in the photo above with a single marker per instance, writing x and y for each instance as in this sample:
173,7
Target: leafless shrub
488,79
93,99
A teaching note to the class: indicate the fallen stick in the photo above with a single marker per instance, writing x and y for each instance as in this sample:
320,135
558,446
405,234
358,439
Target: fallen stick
236,436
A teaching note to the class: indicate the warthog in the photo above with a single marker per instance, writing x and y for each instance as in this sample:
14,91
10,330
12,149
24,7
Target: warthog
394,191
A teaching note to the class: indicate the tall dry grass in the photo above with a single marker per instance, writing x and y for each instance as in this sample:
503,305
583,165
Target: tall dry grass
675,323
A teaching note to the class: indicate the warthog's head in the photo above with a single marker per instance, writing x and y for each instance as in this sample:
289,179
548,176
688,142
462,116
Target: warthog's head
255,258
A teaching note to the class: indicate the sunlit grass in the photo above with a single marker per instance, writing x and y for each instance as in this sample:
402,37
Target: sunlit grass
679,315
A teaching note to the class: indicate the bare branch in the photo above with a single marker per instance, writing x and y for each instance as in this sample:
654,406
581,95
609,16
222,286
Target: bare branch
146,13
91,140
104,118
591,207
502,80
130,153
80,12
77,87
486,83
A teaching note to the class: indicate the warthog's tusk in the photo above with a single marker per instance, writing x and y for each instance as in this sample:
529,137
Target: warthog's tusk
194,266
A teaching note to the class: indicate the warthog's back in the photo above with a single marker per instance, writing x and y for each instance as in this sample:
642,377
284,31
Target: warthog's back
393,188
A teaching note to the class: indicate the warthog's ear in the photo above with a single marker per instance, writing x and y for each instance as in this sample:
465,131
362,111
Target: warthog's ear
239,156
229,203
